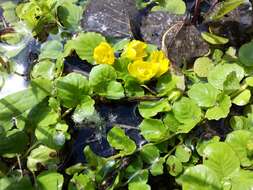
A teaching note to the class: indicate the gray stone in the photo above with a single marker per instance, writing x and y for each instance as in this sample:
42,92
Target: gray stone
109,17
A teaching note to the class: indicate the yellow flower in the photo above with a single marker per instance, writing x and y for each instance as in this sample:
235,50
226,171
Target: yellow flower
142,70
158,58
104,54
135,50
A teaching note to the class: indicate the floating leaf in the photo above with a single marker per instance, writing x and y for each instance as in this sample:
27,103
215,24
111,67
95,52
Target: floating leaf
118,140
221,109
149,109
214,39
203,94
221,158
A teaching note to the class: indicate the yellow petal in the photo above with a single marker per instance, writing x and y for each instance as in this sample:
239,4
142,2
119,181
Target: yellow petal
104,54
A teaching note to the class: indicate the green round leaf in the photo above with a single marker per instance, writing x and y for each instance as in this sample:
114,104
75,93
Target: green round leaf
51,50
202,66
221,109
249,81
115,90
221,158
245,54
153,130
174,165
186,111
183,153
149,153
44,69
243,98
172,6
242,180
203,94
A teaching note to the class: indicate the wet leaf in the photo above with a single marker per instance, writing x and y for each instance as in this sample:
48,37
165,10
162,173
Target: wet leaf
221,109
49,180
204,94
118,140
221,158
243,98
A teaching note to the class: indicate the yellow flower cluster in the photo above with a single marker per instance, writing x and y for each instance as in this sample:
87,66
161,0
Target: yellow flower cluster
104,54
156,65
141,67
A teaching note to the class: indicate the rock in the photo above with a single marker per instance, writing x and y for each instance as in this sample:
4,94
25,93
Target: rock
109,17
155,24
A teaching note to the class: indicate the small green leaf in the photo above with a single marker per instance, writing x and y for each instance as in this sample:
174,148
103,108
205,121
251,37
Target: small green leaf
100,77
231,83
149,109
200,177
214,39
50,50
44,69
49,180
221,109
174,166
149,153
165,84
84,109
43,155
221,158
153,130
172,6
218,75
242,180
115,90
203,143
186,111
118,140
69,14
81,181
138,186
157,167
249,81
203,94
71,89
183,153
245,54
243,98
202,66
84,45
